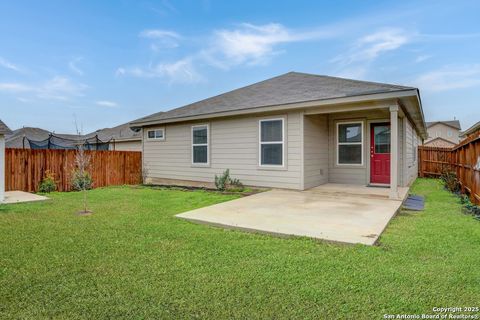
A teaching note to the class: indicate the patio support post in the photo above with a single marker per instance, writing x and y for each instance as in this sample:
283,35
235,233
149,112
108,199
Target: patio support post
2,167
394,152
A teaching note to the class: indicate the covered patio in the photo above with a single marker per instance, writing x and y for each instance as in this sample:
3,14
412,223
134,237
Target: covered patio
333,212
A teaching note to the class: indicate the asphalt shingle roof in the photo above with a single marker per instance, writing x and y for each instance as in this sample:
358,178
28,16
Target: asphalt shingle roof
121,132
292,87
14,139
3,128
451,123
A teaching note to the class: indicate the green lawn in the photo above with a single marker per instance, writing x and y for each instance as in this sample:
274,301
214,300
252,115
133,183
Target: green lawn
133,259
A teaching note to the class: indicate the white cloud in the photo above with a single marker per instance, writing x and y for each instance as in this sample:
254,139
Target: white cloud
449,78
370,47
106,103
181,71
61,88
422,58
14,87
9,65
73,66
158,34
253,44
23,100
247,44
57,88
161,39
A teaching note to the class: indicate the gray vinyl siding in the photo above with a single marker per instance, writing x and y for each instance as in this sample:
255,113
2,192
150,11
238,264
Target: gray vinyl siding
412,142
315,137
234,145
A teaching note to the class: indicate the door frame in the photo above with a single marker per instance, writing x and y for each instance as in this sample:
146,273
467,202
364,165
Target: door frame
369,144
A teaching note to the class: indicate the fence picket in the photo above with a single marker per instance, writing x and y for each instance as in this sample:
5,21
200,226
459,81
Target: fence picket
463,159
25,168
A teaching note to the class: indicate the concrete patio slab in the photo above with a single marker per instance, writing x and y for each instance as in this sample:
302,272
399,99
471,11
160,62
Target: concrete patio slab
21,196
340,213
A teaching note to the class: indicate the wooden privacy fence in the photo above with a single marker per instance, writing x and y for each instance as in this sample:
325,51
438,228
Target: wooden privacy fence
25,168
463,159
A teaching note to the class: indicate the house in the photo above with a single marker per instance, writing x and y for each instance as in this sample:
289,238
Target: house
293,131
120,138
443,133
25,136
3,131
472,130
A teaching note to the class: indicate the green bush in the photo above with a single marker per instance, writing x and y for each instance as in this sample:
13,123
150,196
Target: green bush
81,180
48,183
224,182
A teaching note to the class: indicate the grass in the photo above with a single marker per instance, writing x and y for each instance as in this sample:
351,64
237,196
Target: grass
133,259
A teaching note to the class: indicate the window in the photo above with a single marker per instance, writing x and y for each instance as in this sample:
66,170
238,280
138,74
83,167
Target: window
200,144
157,134
350,143
381,138
271,142
449,133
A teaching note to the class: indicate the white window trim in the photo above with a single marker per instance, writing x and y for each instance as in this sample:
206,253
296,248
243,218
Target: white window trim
361,143
201,144
156,139
270,142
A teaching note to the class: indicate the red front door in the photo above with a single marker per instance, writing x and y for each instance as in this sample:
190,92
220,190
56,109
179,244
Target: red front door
380,153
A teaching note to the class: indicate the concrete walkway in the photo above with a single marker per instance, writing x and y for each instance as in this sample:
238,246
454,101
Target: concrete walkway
344,213
21,196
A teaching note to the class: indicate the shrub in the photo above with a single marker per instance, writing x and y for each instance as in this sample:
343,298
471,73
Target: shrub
48,183
236,185
81,181
221,182
469,207
451,182
224,182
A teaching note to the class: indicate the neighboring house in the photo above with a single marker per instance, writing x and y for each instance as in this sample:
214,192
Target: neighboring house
443,133
3,131
472,130
293,131
19,138
120,138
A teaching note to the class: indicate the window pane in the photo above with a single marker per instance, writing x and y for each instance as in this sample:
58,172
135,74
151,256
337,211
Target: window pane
382,139
350,154
272,154
151,134
200,135
351,132
200,154
159,134
271,131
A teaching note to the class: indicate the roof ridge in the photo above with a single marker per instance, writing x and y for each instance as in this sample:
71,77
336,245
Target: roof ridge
354,80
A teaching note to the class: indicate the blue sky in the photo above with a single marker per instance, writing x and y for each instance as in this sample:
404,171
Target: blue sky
104,63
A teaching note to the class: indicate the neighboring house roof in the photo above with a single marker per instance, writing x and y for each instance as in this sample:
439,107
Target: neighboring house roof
451,123
439,141
118,133
472,129
289,88
4,129
15,138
